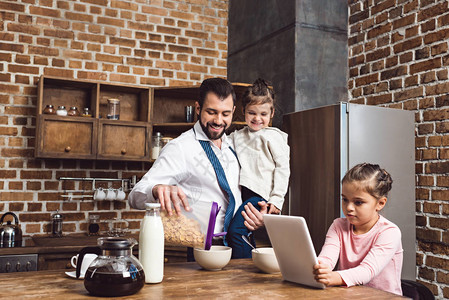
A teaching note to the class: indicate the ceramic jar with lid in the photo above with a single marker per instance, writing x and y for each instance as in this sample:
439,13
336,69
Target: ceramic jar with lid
73,112
61,111
49,110
86,112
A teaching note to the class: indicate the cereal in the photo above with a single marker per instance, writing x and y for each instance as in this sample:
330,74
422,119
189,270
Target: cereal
182,231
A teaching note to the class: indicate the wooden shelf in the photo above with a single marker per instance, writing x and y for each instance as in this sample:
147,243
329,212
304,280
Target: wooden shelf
173,124
143,110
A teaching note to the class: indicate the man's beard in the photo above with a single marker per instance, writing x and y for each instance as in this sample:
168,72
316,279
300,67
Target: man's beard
212,135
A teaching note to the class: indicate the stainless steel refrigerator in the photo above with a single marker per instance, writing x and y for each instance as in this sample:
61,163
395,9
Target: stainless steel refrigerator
327,141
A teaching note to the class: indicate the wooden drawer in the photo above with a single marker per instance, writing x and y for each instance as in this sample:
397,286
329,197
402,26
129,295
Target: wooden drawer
123,140
66,137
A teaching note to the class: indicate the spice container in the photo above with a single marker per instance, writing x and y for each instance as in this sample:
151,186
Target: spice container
165,141
156,145
86,112
73,112
49,110
56,224
93,227
113,109
61,111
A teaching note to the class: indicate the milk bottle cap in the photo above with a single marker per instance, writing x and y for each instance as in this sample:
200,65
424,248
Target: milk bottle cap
152,205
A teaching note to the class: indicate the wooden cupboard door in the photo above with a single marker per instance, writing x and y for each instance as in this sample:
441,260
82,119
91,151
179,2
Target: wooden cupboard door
66,137
123,140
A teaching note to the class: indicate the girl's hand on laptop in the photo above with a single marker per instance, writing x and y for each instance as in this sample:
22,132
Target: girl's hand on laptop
253,217
325,275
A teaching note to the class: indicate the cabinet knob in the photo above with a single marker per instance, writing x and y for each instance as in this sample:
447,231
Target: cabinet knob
67,149
123,151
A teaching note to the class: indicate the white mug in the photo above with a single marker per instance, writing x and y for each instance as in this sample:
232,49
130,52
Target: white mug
120,194
99,194
87,260
110,194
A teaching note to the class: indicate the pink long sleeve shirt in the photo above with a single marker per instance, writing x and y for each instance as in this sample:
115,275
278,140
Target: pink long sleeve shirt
373,259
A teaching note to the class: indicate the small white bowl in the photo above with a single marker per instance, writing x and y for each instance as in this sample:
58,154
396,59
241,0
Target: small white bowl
265,260
214,259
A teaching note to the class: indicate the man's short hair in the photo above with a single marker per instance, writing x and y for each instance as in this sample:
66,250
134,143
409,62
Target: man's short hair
219,86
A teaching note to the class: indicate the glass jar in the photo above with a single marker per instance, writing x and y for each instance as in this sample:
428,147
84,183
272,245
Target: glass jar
93,227
73,112
156,145
56,224
61,111
49,110
113,109
86,112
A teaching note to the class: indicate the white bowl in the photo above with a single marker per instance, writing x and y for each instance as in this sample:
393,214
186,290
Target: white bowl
214,259
265,260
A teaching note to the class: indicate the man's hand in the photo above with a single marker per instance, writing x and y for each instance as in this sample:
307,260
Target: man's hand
253,217
324,275
167,194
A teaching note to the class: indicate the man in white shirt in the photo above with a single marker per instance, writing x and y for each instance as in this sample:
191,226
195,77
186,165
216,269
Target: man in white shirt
183,173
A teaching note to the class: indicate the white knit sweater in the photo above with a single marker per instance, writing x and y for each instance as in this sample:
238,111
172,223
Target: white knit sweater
264,157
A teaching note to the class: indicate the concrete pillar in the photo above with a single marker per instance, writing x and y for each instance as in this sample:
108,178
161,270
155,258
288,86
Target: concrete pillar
298,45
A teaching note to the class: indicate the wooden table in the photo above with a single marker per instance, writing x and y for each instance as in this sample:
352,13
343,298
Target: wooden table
239,279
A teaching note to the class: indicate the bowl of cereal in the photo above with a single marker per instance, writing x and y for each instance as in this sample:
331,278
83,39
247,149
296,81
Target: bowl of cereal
214,259
265,260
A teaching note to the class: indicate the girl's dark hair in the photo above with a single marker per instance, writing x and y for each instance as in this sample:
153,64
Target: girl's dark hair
375,181
259,93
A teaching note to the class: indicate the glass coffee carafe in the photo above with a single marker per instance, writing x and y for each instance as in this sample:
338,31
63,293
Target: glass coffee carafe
115,272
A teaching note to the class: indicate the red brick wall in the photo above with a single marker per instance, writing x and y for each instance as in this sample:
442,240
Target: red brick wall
140,42
398,57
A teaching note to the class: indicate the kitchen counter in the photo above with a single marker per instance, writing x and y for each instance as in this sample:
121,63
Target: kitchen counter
239,279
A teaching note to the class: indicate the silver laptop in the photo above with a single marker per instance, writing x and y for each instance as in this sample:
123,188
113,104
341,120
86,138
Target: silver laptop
293,247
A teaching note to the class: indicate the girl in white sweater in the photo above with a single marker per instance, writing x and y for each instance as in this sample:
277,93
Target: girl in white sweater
264,157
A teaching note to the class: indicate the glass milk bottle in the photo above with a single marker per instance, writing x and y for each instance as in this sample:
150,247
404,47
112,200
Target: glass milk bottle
151,244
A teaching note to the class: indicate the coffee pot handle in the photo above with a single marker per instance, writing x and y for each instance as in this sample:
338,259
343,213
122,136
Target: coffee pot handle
84,251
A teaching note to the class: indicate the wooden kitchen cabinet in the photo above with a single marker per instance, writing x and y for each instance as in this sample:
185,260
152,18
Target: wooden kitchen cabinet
143,110
67,137
169,104
120,140
94,137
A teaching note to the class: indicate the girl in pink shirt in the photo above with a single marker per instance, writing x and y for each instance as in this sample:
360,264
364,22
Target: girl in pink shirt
366,246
